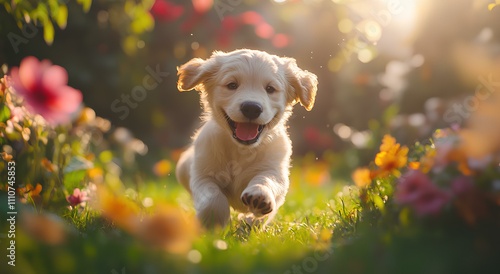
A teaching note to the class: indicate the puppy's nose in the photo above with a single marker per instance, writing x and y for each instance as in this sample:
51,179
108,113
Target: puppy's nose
251,110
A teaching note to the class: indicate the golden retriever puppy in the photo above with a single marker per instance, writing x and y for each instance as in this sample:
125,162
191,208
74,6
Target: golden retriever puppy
240,157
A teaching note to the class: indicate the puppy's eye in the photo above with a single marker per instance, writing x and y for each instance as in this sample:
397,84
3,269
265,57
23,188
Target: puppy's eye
232,86
270,89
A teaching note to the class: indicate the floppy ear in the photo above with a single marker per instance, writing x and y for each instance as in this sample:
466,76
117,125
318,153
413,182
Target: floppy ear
303,82
193,74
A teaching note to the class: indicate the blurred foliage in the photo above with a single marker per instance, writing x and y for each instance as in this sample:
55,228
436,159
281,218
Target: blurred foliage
431,206
41,13
366,74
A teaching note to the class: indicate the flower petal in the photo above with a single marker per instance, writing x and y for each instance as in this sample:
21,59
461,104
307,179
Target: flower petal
29,73
53,78
69,99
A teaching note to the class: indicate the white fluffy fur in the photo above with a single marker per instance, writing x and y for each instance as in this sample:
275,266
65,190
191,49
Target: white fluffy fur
219,171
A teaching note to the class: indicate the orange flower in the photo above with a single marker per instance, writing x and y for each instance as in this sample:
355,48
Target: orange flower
46,228
414,165
29,192
87,116
95,174
388,142
459,156
48,165
391,156
427,161
169,228
317,173
119,210
362,177
6,157
162,168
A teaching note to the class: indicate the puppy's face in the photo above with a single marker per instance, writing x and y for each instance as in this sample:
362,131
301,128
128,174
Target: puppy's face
248,92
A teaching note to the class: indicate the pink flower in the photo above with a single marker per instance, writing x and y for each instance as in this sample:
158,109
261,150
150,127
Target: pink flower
462,185
410,186
431,201
17,114
163,10
418,191
77,197
45,91
202,6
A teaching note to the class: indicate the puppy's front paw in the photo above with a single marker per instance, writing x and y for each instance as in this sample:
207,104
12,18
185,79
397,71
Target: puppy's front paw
259,200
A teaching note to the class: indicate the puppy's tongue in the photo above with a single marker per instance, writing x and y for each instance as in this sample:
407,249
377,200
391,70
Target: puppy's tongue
246,131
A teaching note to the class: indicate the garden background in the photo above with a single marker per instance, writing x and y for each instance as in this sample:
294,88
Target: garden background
395,170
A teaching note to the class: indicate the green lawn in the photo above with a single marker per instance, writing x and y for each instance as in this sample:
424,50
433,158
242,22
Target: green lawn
319,229
304,225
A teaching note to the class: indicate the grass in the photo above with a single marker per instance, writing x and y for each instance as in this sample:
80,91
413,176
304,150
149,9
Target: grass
319,229
303,225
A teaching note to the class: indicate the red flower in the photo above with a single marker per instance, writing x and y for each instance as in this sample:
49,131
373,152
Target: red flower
418,191
77,197
44,88
202,6
165,11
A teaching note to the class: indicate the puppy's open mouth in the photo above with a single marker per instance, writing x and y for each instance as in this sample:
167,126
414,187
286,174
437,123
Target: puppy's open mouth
245,133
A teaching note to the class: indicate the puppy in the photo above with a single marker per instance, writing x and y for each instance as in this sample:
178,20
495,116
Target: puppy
240,157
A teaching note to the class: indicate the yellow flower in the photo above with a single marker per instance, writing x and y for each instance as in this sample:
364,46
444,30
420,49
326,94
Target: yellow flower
391,156
162,168
87,116
388,142
95,174
118,209
169,228
317,173
361,177
414,165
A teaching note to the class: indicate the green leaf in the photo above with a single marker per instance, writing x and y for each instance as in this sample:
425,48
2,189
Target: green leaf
379,203
85,4
74,179
404,216
75,171
48,32
4,113
40,13
390,113
62,16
